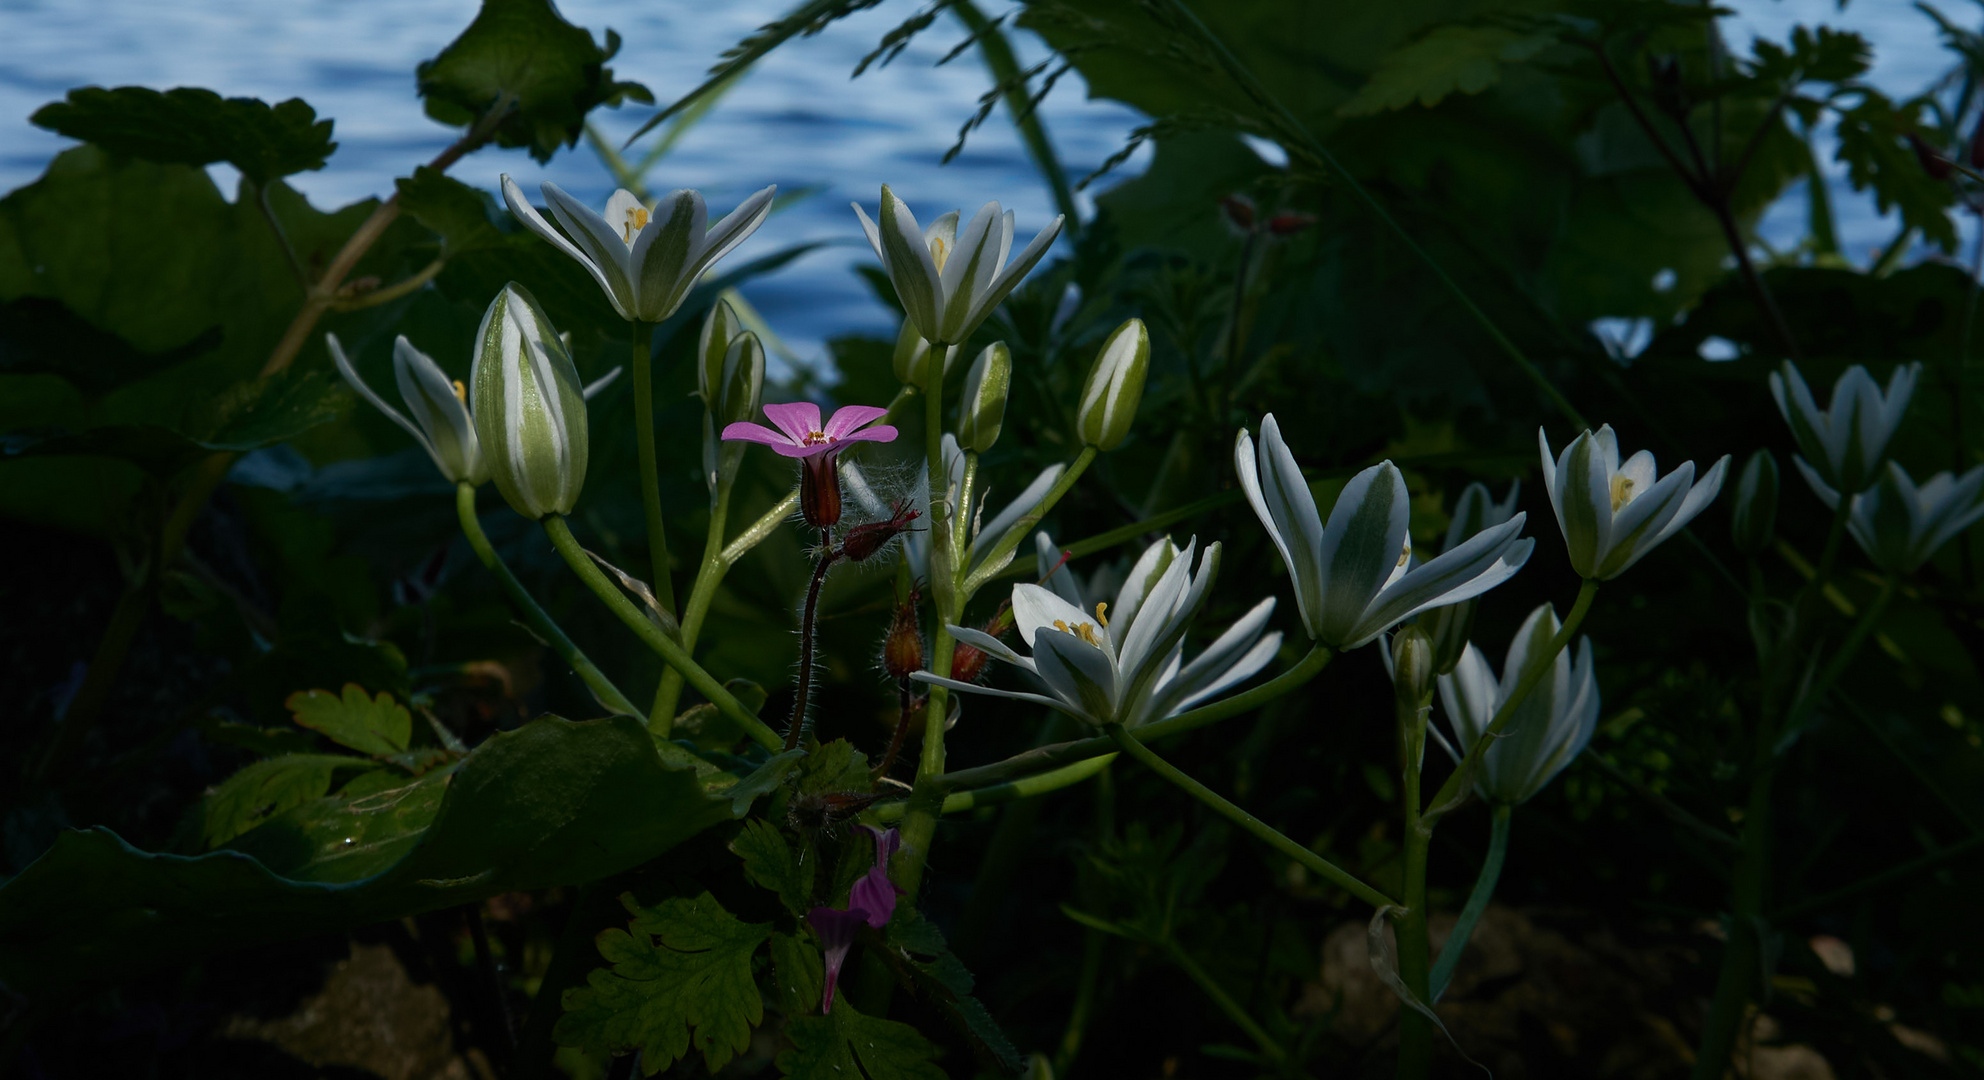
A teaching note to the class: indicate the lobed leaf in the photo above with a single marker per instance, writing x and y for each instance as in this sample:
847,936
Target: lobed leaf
376,726
681,974
191,126
850,1044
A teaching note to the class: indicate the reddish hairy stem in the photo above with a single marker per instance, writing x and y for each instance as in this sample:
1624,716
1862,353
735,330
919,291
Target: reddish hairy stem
828,555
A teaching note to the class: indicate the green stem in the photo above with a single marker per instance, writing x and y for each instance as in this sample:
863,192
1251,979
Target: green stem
1224,1000
958,802
1094,944
994,560
1539,665
1841,657
651,635
920,824
540,623
1043,758
1262,96
708,576
1742,958
1477,901
1415,1031
1266,833
1875,881
664,590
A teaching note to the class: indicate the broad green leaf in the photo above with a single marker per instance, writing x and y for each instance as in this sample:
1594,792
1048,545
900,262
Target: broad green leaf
550,72
681,973
552,803
850,1044
266,788
376,726
768,860
191,126
709,729
464,216
1451,59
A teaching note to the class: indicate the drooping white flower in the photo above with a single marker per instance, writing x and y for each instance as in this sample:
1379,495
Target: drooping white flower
1612,514
530,411
1847,441
1550,727
1352,577
646,260
1123,663
1449,625
439,407
949,282
1900,525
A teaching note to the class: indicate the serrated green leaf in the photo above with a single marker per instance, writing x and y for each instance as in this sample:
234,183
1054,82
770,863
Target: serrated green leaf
377,726
849,1044
797,974
681,973
768,861
1872,144
266,788
551,72
552,803
1450,59
191,126
763,779
835,767
942,977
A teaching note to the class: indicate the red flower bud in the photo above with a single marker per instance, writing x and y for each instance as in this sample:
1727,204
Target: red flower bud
1290,223
1239,210
863,541
1937,166
819,489
968,662
902,650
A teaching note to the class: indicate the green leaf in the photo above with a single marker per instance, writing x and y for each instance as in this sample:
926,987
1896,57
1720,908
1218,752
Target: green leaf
797,974
709,729
835,767
852,1045
681,965
190,126
1873,145
1451,59
768,861
376,726
552,803
550,72
253,795
940,976
464,216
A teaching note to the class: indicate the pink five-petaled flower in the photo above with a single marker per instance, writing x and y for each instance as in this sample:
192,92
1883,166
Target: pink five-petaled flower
801,435
871,901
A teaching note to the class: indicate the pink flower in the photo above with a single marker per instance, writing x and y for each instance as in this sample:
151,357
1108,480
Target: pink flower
871,902
800,433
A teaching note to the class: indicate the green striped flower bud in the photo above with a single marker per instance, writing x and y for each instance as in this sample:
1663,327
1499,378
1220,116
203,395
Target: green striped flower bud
719,329
984,407
1115,386
740,381
530,411
1754,523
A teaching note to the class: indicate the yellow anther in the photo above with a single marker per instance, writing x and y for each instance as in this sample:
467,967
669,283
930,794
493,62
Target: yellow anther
1406,555
1084,631
938,249
1622,491
461,392
1102,614
637,219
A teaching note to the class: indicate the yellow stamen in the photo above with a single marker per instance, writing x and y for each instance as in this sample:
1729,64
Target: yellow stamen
1622,491
1085,631
816,438
1406,555
1102,614
938,250
637,219
461,392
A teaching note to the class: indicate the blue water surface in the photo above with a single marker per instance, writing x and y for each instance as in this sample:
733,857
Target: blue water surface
797,120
